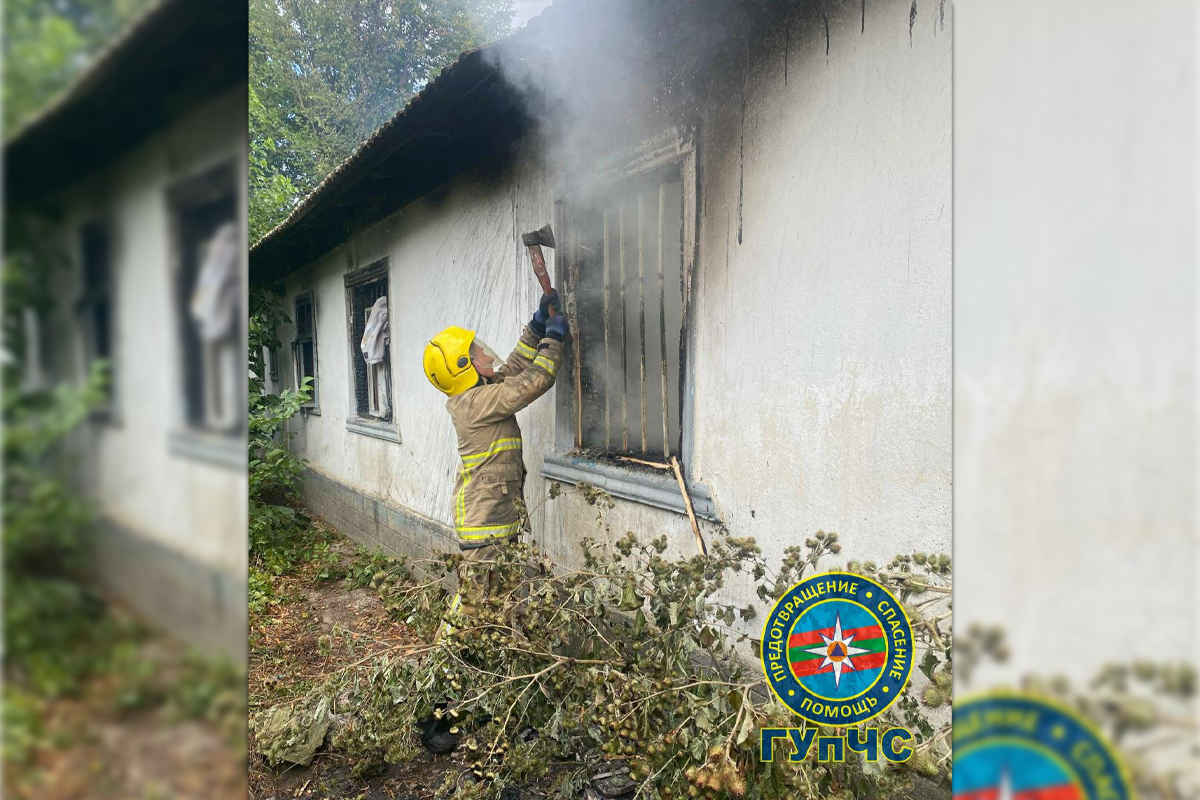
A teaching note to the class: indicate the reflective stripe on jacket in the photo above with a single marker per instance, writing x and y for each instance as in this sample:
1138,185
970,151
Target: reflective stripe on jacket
489,441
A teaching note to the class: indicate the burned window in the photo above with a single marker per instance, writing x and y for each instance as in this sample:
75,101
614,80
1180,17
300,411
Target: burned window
304,346
209,300
367,308
96,302
624,258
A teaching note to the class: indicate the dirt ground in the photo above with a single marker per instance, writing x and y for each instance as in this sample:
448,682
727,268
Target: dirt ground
123,739
286,662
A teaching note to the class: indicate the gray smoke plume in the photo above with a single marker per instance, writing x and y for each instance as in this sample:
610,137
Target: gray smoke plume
596,78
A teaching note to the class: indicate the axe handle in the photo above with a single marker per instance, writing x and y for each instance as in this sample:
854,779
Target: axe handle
539,269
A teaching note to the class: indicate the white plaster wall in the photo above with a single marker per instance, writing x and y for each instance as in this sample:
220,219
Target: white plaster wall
1075,330
453,259
195,507
823,347
822,340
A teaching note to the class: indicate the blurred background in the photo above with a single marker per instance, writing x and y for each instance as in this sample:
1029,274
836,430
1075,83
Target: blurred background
124,398
133,178
1075,358
132,186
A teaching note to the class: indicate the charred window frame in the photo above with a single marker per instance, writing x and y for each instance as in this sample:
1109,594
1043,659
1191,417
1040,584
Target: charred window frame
213,385
371,386
96,308
624,274
626,255
304,348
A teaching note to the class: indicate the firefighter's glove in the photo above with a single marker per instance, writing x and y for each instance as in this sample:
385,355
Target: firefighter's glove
543,313
556,327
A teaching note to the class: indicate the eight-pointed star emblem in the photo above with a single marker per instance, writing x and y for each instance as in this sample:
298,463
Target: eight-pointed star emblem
838,651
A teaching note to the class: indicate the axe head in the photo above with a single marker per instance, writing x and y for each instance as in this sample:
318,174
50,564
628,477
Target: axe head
543,236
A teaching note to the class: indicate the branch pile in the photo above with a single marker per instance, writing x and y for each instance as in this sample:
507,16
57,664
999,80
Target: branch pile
632,663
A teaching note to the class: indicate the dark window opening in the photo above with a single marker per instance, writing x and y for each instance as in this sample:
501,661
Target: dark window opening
95,306
372,382
304,346
205,214
624,259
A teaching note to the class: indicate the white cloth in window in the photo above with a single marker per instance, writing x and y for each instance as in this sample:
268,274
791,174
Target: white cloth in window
215,298
377,335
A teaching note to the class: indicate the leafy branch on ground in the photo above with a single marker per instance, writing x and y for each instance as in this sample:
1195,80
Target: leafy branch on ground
633,659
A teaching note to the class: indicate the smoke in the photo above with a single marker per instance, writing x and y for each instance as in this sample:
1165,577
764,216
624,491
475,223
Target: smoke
597,79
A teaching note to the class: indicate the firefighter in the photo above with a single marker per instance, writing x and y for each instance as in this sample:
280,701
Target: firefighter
483,400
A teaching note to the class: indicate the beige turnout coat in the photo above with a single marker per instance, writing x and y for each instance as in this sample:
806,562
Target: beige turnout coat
489,442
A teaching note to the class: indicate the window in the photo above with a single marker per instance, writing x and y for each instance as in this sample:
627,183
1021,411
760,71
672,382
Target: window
96,302
270,364
625,263
366,296
626,255
271,359
209,300
304,346
34,376
377,377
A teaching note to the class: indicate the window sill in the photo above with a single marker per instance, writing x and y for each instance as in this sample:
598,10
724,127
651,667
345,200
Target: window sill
648,488
223,451
379,430
311,411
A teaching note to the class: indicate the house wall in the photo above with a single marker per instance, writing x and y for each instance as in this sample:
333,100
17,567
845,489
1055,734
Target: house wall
173,538
820,362
1076,333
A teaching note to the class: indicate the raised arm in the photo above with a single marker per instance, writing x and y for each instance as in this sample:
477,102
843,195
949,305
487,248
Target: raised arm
527,347
500,400
522,355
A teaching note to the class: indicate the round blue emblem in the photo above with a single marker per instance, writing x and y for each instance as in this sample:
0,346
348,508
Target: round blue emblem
837,649
1010,746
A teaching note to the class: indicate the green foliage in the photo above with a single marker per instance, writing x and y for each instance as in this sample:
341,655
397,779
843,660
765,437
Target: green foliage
23,729
280,533
367,564
261,594
210,689
55,625
324,76
275,523
53,622
271,193
46,44
192,687
631,658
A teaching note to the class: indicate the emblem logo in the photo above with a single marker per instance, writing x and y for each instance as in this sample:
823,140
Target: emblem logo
1011,746
837,649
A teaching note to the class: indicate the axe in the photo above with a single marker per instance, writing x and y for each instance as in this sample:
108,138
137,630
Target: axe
534,241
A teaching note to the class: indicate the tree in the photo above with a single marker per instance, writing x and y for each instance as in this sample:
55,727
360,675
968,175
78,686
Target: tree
271,193
324,75
46,44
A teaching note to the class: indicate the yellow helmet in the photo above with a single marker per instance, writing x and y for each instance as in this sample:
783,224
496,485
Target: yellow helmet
448,361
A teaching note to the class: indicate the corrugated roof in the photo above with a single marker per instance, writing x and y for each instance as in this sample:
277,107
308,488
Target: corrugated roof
466,114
